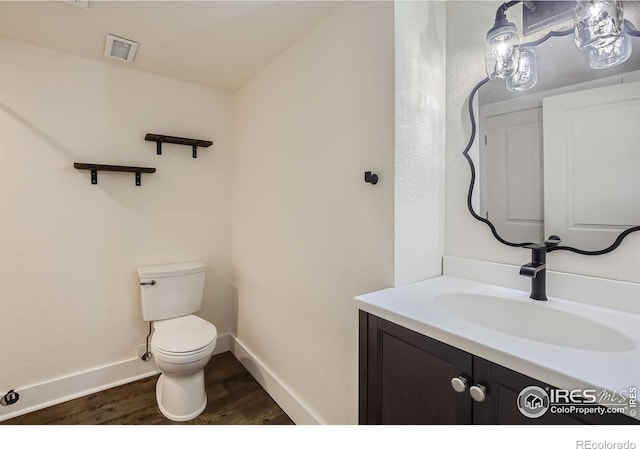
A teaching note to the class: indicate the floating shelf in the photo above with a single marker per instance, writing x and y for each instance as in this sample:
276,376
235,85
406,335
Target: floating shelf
95,168
193,143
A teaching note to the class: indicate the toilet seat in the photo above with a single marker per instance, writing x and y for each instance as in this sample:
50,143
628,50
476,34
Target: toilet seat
183,339
204,350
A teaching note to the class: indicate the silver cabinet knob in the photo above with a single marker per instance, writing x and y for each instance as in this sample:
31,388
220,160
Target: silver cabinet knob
478,393
459,384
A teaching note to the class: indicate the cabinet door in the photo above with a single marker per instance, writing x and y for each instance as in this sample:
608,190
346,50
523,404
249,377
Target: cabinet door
405,377
500,406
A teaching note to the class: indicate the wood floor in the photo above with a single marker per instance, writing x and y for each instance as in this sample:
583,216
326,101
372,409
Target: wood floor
234,397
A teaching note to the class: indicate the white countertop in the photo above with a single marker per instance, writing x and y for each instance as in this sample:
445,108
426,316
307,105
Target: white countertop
413,307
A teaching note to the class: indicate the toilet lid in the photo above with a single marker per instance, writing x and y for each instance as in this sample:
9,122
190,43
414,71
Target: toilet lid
183,334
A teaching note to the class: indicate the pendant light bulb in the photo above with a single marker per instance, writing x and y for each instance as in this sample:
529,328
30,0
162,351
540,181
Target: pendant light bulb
501,50
597,23
526,76
611,55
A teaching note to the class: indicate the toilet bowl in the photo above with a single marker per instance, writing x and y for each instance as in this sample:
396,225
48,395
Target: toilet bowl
182,343
181,348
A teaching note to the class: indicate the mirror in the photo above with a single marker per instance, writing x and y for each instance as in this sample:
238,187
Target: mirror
562,158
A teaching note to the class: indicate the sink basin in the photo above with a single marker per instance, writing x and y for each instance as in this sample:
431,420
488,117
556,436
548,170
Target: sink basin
534,321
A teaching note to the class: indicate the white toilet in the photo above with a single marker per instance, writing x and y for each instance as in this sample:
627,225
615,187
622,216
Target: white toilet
182,343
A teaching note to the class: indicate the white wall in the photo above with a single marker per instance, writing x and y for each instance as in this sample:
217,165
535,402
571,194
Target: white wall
420,139
467,24
69,295
308,233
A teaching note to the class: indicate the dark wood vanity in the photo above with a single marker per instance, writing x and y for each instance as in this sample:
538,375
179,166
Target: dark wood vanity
405,378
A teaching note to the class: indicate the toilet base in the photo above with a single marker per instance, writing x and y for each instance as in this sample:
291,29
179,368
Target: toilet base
181,398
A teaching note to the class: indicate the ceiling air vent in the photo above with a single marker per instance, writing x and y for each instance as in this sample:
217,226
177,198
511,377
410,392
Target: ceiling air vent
84,4
120,48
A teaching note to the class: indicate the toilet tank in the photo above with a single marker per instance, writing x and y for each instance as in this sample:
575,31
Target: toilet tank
170,291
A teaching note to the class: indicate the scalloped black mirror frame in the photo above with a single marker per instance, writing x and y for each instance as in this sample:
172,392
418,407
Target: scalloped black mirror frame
629,30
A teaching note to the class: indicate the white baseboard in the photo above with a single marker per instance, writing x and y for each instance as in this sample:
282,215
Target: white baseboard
296,408
223,344
56,391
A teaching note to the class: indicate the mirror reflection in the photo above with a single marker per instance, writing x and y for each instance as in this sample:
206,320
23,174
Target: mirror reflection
562,158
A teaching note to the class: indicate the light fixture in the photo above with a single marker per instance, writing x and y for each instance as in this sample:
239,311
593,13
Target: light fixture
526,76
501,50
597,23
611,55
599,30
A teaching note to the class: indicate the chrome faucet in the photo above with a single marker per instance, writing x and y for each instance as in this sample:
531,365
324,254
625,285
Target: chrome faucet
536,269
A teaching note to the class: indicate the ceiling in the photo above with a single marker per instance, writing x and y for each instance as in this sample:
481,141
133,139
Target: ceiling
218,44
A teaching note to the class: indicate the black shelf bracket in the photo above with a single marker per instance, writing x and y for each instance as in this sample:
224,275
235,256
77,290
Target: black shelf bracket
95,168
193,143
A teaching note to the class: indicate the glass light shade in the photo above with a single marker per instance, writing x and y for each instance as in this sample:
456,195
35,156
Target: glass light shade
597,23
501,51
527,74
611,55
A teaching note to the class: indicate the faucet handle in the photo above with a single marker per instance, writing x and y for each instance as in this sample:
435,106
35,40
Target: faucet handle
538,254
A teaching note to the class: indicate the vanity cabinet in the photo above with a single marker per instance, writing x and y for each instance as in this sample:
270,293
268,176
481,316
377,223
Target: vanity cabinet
405,378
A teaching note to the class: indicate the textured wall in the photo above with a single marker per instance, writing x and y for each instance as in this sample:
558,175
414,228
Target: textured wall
69,295
420,139
308,233
467,24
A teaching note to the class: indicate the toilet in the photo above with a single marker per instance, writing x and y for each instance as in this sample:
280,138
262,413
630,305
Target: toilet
182,343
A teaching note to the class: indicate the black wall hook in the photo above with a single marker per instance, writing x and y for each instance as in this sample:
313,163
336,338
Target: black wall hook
370,177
